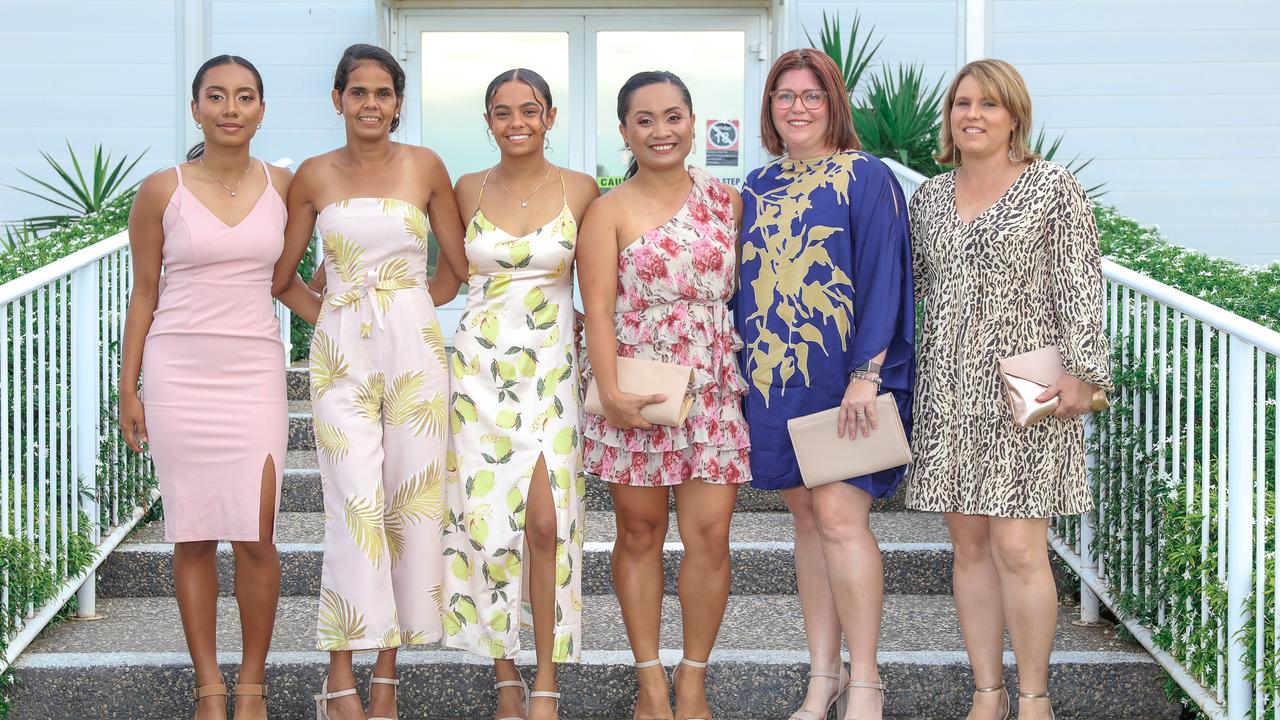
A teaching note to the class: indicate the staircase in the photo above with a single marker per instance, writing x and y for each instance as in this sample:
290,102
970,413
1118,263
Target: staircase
133,664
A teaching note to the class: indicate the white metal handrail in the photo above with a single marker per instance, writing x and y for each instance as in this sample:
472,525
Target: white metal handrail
1182,460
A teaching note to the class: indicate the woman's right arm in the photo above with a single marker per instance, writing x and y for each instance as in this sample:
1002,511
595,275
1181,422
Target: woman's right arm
146,241
598,278
286,284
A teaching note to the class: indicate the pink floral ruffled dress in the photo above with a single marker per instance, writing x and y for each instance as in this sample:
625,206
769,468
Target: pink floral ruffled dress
674,284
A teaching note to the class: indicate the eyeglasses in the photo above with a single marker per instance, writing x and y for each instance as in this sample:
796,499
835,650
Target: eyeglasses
812,99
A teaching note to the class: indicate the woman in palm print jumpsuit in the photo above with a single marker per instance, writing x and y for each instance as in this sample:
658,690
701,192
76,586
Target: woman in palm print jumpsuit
379,383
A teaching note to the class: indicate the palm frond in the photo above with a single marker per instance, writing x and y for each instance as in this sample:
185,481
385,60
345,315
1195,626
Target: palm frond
331,441
363,518
328,366
340,623
348,256
368,397
433,336
401,396
852,59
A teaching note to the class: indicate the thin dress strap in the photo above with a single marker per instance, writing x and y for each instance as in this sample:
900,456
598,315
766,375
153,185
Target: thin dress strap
266,170
564,192
178,168
483,183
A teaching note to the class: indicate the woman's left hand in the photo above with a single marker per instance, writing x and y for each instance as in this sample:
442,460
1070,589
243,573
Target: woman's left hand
858,409
1075,396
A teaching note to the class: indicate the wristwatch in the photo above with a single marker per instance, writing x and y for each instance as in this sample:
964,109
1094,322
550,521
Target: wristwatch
870,366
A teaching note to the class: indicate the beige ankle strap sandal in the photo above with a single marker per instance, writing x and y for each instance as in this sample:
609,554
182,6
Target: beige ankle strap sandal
839,698
691,663
1037,696
517,684
375,680
205,691
1008,703
322,699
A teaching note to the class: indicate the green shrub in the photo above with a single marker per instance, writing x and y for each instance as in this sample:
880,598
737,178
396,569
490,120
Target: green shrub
66,239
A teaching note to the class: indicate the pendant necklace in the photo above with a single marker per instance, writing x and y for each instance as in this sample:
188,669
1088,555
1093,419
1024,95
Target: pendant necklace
218,180
524,201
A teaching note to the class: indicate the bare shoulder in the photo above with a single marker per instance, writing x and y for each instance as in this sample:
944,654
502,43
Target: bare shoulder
580,190
154,191
280,178
467,189
423,157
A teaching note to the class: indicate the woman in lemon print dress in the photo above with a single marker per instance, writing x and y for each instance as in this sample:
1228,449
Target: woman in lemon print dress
514,524
379,385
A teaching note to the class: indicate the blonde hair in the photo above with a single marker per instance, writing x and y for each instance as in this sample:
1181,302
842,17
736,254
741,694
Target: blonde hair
1001,82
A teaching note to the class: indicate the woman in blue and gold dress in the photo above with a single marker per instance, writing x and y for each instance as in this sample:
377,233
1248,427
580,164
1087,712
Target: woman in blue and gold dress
825,310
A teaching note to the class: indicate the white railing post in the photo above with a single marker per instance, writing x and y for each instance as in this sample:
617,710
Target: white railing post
86,354
1090,612
1240,479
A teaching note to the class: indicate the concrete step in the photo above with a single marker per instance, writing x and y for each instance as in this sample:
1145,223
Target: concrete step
917,556
134,664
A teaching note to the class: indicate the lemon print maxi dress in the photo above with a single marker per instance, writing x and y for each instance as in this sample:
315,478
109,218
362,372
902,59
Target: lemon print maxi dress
379,389
515,382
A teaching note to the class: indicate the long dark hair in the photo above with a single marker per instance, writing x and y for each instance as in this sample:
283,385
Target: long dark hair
196,83
535,81
644,79
357,54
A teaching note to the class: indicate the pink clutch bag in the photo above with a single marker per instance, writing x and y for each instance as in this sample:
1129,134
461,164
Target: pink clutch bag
825,457
1023,377
650,377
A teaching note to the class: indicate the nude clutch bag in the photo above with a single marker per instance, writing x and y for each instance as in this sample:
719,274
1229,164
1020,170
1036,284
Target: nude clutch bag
650,377
1023,377
825,457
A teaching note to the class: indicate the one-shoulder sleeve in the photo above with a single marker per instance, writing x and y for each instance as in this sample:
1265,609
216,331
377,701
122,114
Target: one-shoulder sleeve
883,303
1076,265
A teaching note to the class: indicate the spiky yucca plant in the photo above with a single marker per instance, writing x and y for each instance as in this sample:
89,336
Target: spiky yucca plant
79,195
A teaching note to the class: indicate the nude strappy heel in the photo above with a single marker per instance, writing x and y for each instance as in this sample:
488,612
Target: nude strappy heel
322,699
648,664
252,690
209,690
839,699
1008,702
690,663
1038,696
547,694
515,683
868,685
374,679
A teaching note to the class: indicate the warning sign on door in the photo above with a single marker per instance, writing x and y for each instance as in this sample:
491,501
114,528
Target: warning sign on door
722,142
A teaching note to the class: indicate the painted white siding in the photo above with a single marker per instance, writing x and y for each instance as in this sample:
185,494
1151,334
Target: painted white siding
296,45
88,72
1176,99
914,31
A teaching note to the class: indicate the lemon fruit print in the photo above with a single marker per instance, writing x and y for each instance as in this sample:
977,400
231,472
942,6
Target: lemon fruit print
515,399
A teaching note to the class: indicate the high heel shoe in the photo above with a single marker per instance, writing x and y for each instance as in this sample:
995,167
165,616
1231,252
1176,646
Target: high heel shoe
252,690
648,664
676,672
868,685
1037,696
523,687
839,699
322,699
547,694
209,690
373,679
1008,702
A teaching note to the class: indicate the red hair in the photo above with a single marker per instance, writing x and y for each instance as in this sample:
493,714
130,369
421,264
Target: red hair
840,132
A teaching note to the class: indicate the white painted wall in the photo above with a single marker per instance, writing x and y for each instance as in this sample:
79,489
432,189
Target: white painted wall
84,71
1177,99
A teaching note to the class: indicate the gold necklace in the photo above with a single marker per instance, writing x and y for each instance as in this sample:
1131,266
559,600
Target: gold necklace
524,201
218,180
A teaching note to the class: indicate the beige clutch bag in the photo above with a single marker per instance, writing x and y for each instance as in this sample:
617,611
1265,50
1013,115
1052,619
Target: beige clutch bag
825,457
650,377
1025,376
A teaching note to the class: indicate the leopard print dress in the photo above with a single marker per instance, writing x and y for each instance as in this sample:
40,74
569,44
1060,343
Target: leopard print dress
1024,274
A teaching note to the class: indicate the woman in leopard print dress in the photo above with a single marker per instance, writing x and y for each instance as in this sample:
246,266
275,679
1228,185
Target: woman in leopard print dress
1007,261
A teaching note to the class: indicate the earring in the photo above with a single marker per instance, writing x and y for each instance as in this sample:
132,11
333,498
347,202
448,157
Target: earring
339,112
955,155
1013,156
259,126
199,126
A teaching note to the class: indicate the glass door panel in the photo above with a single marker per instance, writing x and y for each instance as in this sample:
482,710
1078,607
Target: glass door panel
712,64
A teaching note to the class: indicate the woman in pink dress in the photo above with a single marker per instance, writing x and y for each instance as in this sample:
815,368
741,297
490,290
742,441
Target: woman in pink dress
205,338
657,259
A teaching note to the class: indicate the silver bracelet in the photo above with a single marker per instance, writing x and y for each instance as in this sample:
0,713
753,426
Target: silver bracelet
868,376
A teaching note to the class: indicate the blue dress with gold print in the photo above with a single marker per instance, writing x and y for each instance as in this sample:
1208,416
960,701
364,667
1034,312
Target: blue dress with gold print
825,287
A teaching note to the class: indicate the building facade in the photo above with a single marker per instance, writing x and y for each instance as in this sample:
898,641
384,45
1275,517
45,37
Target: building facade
1177,101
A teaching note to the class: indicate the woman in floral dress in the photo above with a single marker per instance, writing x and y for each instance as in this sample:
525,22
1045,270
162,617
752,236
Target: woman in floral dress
516,502
657,264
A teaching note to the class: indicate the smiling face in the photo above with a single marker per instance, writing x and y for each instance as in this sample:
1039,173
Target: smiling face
369,103
658,126
228,105
980,126
519,119
804,129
